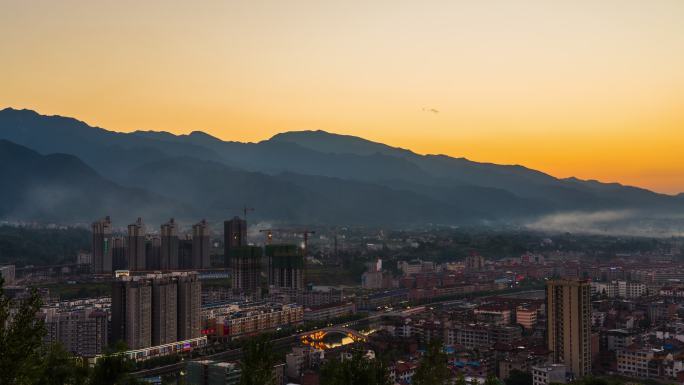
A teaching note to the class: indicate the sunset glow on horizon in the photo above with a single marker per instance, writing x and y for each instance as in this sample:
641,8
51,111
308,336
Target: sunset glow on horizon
592,89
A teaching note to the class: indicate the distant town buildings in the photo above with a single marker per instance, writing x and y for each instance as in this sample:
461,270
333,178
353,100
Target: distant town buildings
415,266
374,277
621,288
621,315
474,262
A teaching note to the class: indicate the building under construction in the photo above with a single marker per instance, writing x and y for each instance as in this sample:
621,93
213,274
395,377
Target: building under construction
285,267
245,262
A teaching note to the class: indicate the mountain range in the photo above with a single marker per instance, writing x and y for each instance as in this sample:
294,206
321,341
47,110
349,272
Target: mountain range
59,168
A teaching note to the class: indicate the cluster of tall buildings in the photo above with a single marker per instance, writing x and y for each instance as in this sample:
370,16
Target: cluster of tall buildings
156,309
139,251
284,264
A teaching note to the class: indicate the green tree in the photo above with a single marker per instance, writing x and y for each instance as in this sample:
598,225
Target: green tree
257,364
24,360
113,368
590,380
460,379
518,377
492,380
21,337
432,368
357,370
60,367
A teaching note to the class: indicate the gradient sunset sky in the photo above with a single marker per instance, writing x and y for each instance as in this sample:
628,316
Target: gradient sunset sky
593,89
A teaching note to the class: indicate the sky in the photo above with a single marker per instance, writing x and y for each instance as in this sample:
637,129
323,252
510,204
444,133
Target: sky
592,89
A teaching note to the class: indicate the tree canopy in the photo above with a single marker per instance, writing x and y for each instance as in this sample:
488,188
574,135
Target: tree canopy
24,359
257,364
357,370
432,368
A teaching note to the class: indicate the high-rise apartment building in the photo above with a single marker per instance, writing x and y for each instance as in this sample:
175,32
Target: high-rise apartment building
135,246
153,253
132,311
119,261
102,248
185,252
189,305
201,245
245,263
568,311
164,310
234,235
169,246
285,267
156,309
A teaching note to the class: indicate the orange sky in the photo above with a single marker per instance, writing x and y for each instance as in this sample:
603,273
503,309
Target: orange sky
593,89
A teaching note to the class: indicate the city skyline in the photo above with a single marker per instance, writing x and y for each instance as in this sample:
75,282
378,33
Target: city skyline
590,90
391,192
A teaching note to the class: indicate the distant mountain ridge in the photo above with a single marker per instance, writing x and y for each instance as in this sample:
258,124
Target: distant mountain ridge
319,177
56,187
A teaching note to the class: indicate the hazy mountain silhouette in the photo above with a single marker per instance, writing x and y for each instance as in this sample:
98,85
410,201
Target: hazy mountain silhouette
315,176
60,187
217,189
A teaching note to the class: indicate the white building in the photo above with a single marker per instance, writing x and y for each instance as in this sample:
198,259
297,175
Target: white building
546,374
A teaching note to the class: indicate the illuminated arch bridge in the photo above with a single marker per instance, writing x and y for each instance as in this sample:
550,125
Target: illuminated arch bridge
316,337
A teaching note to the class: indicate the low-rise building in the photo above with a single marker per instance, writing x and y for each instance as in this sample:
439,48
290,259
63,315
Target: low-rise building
493,314
80,326
633,360
526,317
207,372
547,374
233,320
329,311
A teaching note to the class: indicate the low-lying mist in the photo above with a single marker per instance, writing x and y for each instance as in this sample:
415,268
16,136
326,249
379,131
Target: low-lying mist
612,222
